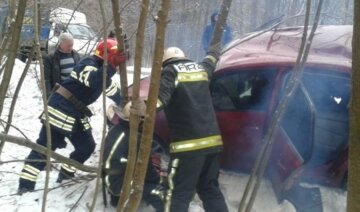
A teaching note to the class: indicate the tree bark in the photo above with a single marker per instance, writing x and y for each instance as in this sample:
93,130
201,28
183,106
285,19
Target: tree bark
148,129
5,38
120,40
43,88
216,38
12,52
134,118
43,150
353,198
102,145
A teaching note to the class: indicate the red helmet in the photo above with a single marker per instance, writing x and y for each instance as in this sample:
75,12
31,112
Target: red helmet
111,48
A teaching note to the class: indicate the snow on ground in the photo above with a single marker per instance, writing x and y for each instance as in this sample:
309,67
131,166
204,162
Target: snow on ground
78,196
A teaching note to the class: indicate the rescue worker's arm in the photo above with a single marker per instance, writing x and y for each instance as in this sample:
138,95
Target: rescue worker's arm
209,62
92,77
47,74
113,92
167,87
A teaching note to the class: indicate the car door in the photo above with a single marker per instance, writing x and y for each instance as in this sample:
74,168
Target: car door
293,140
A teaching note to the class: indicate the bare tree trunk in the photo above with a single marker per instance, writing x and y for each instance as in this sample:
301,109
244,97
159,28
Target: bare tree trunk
120,40
216,38
353,198
42,150
5,39
148,129
102,145
134,118
263,157
12,8
48,135
17,91
12,52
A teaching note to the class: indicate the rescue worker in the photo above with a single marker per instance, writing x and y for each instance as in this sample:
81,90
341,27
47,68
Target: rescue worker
58,65
209,29
68,112
115,159
195,139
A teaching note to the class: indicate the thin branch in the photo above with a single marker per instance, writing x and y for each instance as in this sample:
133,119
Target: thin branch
15,96
14,45
121,47
48,133
97,184
134,118
42,150
16,128
77,202
291,86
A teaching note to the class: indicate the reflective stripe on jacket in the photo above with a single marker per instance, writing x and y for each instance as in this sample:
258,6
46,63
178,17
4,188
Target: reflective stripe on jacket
185,96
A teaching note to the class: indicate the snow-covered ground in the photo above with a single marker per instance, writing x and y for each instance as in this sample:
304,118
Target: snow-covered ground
78,196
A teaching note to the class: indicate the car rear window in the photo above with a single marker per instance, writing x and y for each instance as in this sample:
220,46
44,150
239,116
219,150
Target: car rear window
243,89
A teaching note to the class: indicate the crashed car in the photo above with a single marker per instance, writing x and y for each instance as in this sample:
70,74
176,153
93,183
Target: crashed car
311,142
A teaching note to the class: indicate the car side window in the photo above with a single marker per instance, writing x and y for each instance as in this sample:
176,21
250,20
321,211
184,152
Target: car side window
243,90
316,118
330,91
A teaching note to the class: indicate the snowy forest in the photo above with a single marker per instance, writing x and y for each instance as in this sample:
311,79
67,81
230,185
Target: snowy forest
282,79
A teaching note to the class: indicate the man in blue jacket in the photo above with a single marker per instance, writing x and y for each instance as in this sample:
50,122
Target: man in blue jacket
69,114
209,30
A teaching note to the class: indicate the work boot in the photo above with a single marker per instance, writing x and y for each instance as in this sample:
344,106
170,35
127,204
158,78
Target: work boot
25,186
114,200
64,175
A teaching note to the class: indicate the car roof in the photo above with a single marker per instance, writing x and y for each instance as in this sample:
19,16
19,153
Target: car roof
331,46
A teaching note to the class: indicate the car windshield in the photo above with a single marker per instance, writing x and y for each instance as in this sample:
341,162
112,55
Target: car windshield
81,31
242,90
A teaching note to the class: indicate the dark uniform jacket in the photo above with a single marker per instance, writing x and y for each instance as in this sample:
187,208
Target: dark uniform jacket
85,83
115,151
184,94
52,69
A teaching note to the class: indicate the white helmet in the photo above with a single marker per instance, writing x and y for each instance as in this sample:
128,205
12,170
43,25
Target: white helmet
173,52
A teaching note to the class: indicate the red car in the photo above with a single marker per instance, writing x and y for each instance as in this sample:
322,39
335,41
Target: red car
311,143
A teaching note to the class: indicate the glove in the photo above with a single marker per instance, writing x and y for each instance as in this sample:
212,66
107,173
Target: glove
112,114
139,108
117,58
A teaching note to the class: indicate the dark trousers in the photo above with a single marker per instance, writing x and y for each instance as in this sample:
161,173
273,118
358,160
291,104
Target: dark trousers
194,174
115,182
82,141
